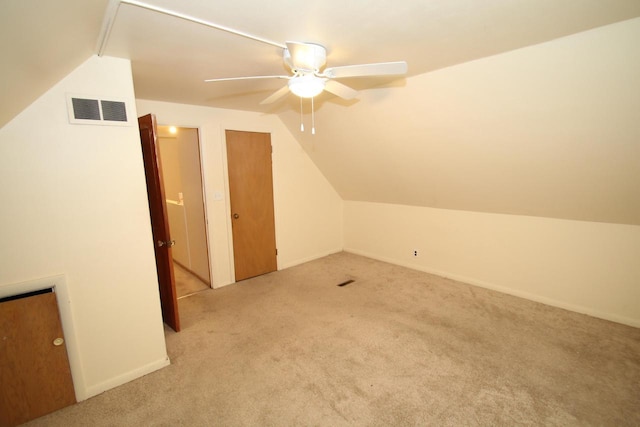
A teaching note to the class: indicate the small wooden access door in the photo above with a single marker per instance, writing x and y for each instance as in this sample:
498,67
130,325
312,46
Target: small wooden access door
251,198
159,221
35,378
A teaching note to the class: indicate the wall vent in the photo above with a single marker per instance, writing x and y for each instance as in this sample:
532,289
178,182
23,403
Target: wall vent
95,111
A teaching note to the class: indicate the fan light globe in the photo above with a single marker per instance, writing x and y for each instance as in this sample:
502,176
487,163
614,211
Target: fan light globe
306,86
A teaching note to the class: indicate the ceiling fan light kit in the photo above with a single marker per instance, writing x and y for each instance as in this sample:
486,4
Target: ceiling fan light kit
306,86
309,77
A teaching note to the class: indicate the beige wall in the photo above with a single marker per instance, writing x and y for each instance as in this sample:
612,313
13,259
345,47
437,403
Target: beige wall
172,180
587,267
170,158
193,201
308,211
178,230
75,204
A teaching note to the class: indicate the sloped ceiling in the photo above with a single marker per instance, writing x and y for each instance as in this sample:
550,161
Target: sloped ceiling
383,146
551,130
40,43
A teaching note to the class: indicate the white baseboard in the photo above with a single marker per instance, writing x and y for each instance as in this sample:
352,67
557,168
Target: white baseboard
96,389
521,294
299,261
285,265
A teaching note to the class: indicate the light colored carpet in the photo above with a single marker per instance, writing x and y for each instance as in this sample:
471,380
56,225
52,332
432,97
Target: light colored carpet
396,347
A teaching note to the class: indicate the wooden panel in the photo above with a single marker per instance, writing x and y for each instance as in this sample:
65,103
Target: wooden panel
35,378
251,193
159,220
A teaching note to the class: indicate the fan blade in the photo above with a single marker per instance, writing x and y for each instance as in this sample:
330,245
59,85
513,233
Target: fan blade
343,91
228,79
305,56
276,95
363,70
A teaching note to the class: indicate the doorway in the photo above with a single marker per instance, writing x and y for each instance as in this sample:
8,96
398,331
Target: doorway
185,203
251,199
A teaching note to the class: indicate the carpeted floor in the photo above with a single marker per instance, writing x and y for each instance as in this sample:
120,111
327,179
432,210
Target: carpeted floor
395,347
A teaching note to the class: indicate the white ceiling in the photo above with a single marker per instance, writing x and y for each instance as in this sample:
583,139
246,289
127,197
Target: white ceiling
41,41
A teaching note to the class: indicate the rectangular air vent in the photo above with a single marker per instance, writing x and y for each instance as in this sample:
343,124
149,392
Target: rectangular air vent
85,109
96,111
114,110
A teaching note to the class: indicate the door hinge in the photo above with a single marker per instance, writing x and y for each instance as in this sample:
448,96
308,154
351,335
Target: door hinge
276,251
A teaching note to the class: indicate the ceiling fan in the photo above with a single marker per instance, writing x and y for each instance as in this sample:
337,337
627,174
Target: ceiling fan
309,77
307,61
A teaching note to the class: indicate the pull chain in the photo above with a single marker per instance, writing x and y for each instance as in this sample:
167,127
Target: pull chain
301,122
313,119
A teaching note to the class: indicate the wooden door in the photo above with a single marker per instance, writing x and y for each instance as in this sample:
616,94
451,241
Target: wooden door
35,378
159,221
251,193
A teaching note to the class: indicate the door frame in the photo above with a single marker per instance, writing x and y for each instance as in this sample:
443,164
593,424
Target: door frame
204,197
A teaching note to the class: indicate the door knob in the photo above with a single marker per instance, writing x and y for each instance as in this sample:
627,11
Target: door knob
236,216
58,341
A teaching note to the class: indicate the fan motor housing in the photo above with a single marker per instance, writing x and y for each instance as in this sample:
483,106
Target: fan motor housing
310,58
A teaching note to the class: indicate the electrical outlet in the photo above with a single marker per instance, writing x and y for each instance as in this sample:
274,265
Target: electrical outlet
415,253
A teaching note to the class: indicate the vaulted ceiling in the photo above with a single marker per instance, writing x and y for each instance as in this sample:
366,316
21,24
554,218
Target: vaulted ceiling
422,139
